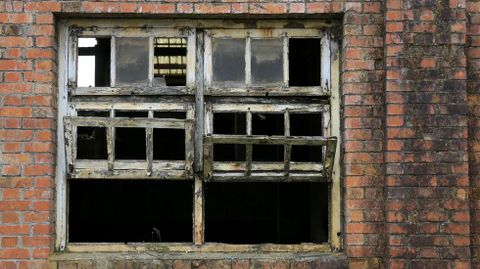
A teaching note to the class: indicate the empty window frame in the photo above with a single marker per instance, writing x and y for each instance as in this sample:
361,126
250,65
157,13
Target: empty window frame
268,142
148,140
270,62
158,105
160,61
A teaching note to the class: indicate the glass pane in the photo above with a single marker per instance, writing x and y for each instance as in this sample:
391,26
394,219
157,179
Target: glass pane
228,61
170,61
267,61
132,60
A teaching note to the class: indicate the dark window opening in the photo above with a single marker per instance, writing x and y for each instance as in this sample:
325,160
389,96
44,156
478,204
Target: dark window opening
229,153
93,62
268,124
306,153
130,211
130,143
304,61
306,124
169,115
229,123
92,141
254,213
168,144
267,153
170,61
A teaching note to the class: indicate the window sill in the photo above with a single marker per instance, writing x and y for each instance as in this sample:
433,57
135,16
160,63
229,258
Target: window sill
205,248
103,255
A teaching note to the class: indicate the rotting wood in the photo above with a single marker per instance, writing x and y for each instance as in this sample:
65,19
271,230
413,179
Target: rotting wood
268,171
300,100
149,146
127,122
129,90
199,213
287,148
249,147
267,91
271,140
204,248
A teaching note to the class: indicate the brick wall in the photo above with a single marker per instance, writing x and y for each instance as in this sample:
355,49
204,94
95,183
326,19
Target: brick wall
411,162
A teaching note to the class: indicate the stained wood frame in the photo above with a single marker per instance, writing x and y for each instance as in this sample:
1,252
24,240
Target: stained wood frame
195,95
268,171
130,169
264,90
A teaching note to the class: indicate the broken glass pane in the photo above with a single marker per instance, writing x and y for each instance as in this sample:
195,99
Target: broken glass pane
304,61
132,60
93,62
168,144
170,61
267,61
228,61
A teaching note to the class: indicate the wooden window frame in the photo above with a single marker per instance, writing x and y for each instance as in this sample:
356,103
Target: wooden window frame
196,97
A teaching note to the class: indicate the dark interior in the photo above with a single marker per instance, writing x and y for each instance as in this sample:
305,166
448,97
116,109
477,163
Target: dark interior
130,211
268,124
101,51
304,61
253,213
130,143
92,141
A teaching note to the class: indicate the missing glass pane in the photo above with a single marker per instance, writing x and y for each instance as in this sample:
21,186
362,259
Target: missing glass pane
130,211
229,123
132,60
304,61
308,124
267,61
306,153
168,144
130,143
170,115
93,62
229,153
170,61
228,61
268,124
254,213
92,141
267,153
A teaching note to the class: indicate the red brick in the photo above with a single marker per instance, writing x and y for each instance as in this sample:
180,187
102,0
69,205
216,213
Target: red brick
14,253
45,6
211,8
9,242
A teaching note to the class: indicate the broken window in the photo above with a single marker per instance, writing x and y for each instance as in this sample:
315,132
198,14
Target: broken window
170,61
229,129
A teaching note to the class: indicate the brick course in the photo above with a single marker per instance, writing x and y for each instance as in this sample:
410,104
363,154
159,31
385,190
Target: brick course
410,75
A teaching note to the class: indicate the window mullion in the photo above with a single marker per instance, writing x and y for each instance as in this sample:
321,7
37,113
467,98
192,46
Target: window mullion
287,147
249,153
111,144
149,147
285,60
248,61
112,61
